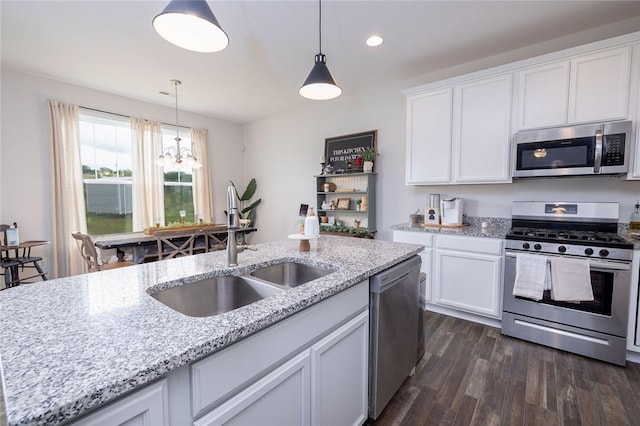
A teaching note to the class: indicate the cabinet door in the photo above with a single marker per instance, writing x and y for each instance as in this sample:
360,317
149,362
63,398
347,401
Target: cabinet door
339,375
146,407
482,130
470,282
599,86
543,96
429,118
281,398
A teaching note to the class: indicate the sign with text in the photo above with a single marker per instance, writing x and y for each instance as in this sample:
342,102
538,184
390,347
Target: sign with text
341,152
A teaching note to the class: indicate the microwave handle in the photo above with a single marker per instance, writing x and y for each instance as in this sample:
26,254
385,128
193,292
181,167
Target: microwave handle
597,161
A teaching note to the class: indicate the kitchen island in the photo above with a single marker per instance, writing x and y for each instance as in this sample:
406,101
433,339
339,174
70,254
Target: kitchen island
71,345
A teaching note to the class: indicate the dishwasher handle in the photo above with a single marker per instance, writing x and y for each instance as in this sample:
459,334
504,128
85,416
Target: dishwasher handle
392,276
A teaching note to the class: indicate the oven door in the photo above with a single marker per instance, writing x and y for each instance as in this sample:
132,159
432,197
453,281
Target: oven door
608,313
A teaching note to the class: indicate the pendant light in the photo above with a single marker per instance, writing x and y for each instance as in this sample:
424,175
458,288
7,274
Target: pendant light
320,84
190,24
176,156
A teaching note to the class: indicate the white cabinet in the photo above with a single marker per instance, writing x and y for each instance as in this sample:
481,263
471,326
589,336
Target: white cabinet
340,375
599,86
468,274
326,346
543,96
426,239
586,88
460,133
326,384
280,398
145,407
429,143
482,130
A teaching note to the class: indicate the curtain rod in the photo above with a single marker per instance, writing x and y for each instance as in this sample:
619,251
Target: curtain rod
123,115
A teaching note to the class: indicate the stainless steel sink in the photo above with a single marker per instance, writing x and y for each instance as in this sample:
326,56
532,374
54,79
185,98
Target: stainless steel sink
214,295
290,274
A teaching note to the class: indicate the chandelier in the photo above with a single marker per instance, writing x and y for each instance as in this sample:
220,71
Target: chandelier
177,156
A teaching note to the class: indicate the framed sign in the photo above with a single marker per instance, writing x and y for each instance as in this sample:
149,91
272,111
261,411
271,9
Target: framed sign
341,152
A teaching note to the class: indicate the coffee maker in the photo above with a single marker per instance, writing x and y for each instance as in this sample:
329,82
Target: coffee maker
451,211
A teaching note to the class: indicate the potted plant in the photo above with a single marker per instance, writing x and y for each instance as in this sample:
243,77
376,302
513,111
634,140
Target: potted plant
368,156
358,202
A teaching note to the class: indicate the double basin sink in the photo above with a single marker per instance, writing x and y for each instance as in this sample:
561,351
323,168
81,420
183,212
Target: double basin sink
216,295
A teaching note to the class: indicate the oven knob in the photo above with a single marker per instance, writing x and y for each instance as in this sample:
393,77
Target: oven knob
588,251
604,252
537,247
526,246
562,249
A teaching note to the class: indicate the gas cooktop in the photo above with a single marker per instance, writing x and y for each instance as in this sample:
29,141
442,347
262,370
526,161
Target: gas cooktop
569,236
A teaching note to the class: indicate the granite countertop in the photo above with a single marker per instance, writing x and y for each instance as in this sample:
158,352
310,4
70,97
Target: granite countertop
71,344
497,228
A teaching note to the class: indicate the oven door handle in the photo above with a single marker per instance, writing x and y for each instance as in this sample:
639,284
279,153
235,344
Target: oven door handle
596,264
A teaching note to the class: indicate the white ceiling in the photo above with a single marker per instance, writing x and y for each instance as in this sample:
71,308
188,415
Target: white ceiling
111,45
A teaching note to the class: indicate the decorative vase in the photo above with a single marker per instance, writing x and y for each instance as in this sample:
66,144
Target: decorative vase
368,166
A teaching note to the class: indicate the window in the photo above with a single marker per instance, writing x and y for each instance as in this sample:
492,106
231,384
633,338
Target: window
178,183
107,158
105,153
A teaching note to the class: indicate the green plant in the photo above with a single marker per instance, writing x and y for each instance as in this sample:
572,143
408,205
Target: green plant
250,211
369,154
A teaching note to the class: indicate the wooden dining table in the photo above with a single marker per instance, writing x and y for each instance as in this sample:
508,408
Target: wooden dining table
143,246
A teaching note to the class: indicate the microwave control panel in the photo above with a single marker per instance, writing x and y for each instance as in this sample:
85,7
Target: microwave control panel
613,150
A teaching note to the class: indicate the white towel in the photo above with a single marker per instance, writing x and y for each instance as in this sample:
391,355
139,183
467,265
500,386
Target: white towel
531,274
571,280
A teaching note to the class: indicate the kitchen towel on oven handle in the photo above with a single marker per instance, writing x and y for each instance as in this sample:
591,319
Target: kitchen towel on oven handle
571,280
532,276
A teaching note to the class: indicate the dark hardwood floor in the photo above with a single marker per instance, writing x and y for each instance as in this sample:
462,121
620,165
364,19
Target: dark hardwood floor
473,375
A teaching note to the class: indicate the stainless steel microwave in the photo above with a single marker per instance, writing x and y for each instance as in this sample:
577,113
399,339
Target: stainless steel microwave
582,150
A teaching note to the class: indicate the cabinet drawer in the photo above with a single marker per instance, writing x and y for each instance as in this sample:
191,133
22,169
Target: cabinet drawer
412,237
472,244
223,374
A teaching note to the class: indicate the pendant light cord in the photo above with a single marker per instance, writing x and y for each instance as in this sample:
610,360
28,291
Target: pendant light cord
320,26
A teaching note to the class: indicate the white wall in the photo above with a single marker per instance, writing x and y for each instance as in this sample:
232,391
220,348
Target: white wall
292,144
25,146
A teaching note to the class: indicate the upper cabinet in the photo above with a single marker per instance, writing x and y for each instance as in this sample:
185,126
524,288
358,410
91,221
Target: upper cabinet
460,133
429,120
586,88
482,130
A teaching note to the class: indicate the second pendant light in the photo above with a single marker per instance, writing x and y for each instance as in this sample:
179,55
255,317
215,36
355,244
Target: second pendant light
320,84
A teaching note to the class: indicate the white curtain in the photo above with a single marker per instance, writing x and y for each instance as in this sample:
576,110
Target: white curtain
68,212
148,177
202,204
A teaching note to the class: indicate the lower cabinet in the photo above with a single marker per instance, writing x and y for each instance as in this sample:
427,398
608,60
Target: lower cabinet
463,273
324,385
280,398
468,274
145,407
340,375
468,281
309,369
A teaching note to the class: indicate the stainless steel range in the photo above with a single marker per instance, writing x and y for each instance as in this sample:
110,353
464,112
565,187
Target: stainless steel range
586,232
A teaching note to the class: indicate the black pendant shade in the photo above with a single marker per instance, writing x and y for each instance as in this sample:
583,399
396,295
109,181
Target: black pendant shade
320,84
191,24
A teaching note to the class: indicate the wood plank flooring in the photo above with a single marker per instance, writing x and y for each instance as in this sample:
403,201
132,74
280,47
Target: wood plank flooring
472,375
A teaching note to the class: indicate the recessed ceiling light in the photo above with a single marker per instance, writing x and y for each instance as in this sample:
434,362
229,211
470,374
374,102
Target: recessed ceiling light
374,41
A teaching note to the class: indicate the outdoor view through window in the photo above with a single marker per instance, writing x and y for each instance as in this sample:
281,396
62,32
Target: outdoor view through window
106,156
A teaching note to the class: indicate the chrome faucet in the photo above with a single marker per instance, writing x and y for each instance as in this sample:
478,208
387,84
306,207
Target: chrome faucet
233,223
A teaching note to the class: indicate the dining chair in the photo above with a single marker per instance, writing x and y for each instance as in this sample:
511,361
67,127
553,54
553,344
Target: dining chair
22,255
90,254
9,270
175,243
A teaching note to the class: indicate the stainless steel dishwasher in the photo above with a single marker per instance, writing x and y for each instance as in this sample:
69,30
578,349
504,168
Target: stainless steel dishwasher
394,308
